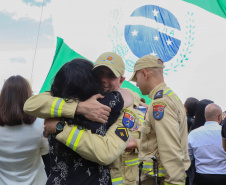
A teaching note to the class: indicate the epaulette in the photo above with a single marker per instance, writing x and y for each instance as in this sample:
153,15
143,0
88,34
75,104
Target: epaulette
159,94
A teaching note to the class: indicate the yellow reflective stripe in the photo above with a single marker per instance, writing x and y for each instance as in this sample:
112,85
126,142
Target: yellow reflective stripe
149,167
145,163
132,162
166,91
141,118
161,168
170,94
117,181
161,175
60,107
77,140
56,107
74,138
53,107
70,136
177,98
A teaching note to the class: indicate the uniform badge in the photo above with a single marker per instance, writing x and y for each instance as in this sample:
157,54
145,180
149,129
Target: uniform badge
109,58
158,110
128,118
122,133
159,94
136,128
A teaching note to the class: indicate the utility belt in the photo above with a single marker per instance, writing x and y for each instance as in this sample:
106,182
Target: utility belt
151,170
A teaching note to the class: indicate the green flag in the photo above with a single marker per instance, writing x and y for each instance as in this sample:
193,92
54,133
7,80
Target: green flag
65,54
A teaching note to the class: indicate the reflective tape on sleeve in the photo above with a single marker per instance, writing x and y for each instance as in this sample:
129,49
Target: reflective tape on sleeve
117,181
74,138
132,162
56,108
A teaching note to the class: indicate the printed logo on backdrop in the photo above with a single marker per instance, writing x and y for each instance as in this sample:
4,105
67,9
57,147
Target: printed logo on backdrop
152,30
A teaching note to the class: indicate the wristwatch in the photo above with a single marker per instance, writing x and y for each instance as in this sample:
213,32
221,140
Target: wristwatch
60,126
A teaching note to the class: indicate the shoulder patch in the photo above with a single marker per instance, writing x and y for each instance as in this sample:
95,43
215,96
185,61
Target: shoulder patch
136,127
159,94
122,133
128,118
158,110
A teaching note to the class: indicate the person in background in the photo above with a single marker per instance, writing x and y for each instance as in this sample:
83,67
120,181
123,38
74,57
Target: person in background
190,106
223,130
199,121
165,133
142,106
129,159
199,114
21,140
223,118
205,147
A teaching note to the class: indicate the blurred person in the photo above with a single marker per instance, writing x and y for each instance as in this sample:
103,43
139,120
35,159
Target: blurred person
223,134
190,106
143,100
223,130
143,106
205,147
223,118
21,140
199,114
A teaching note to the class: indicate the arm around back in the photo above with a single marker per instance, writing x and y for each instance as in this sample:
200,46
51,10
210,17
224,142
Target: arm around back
93,147
46,106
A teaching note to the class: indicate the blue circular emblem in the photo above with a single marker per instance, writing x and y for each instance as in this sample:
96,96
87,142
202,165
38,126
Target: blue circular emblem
153,30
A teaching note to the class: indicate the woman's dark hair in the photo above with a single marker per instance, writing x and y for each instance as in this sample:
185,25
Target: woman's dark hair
191,105
76,79
200,113
16,90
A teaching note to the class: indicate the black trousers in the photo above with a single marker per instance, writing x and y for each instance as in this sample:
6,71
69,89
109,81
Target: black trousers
210,179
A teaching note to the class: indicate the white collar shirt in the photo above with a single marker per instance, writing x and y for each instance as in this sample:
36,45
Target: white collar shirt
205,146
21,147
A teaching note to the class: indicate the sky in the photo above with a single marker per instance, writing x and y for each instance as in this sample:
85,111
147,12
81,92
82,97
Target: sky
19,31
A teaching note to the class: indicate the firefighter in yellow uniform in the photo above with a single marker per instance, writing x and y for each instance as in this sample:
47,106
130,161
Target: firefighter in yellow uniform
103,150
45,106
130,158
165,133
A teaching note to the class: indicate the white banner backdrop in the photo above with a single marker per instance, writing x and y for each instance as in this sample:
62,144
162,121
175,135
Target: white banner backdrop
190,40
